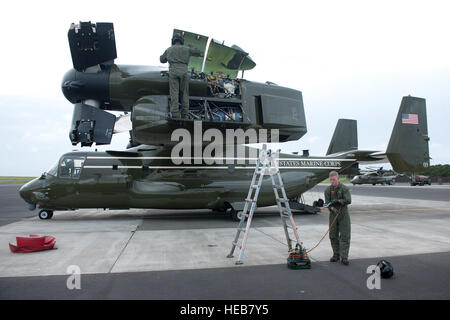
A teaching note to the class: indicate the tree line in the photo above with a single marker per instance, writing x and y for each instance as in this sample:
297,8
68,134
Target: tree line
439,170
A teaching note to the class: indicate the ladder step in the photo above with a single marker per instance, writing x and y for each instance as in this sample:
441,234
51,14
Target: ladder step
250,200
255,186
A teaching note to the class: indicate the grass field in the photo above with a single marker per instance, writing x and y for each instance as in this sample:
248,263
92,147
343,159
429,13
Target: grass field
15,180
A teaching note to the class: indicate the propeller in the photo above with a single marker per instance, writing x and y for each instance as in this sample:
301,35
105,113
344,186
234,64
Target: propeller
93,50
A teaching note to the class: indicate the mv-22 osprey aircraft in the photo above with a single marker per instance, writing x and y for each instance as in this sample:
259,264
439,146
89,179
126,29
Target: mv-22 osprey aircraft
145,175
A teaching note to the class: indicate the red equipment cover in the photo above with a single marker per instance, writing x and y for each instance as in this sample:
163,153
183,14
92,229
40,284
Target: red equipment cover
33,243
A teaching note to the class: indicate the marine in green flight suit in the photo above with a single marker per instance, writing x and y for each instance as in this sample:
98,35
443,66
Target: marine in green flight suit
339,195
178,57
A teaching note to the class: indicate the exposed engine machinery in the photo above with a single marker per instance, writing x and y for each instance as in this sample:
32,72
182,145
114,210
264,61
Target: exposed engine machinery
217,97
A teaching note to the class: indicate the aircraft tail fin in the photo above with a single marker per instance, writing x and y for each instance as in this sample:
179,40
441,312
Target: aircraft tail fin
345,137
408,150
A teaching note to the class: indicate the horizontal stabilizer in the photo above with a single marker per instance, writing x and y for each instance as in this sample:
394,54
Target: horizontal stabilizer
345,137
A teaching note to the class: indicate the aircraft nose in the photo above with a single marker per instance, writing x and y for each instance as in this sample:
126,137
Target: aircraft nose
26,192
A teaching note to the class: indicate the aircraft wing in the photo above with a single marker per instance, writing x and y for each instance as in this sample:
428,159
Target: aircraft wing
361,156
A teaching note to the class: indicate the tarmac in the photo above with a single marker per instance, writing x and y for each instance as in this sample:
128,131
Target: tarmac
164,254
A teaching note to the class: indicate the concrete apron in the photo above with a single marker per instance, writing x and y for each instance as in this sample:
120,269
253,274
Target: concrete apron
104,243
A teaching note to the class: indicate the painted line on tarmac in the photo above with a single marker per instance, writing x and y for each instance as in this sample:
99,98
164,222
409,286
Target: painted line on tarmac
123,249
398,210
17,219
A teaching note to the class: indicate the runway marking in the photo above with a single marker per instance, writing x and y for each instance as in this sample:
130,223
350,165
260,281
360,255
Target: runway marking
396,210
17,219
30,218
123,249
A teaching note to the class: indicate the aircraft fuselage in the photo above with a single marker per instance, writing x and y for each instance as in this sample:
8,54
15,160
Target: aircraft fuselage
151,180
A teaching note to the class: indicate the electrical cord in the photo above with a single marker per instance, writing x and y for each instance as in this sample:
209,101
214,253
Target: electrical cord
331,225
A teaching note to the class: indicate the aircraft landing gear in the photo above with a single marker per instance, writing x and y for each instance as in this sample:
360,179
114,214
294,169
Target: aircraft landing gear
318,203
45,214
236,215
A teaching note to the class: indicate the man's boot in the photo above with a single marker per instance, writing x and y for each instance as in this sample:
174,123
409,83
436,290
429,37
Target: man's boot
174,115
334,259
345,261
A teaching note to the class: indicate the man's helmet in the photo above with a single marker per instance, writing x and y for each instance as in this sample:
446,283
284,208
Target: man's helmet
177,37
386,269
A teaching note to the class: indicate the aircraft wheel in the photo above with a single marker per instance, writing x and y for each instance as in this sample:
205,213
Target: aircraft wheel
236,215
320,202
45,214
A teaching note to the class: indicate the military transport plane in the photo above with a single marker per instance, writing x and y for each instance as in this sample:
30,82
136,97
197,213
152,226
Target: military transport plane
146,177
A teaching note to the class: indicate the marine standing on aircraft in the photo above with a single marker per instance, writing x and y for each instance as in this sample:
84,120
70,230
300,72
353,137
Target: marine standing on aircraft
178,57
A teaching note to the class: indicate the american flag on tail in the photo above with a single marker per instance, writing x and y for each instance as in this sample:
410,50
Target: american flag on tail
410,118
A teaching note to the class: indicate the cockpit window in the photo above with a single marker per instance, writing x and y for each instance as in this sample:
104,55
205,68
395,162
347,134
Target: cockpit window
70,167
53,170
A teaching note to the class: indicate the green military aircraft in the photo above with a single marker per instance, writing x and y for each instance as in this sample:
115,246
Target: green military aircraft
373,177
145,176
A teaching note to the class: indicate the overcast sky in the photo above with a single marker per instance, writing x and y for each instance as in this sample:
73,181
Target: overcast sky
350,59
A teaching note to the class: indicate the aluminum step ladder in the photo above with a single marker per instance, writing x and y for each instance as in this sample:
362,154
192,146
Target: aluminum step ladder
266,165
